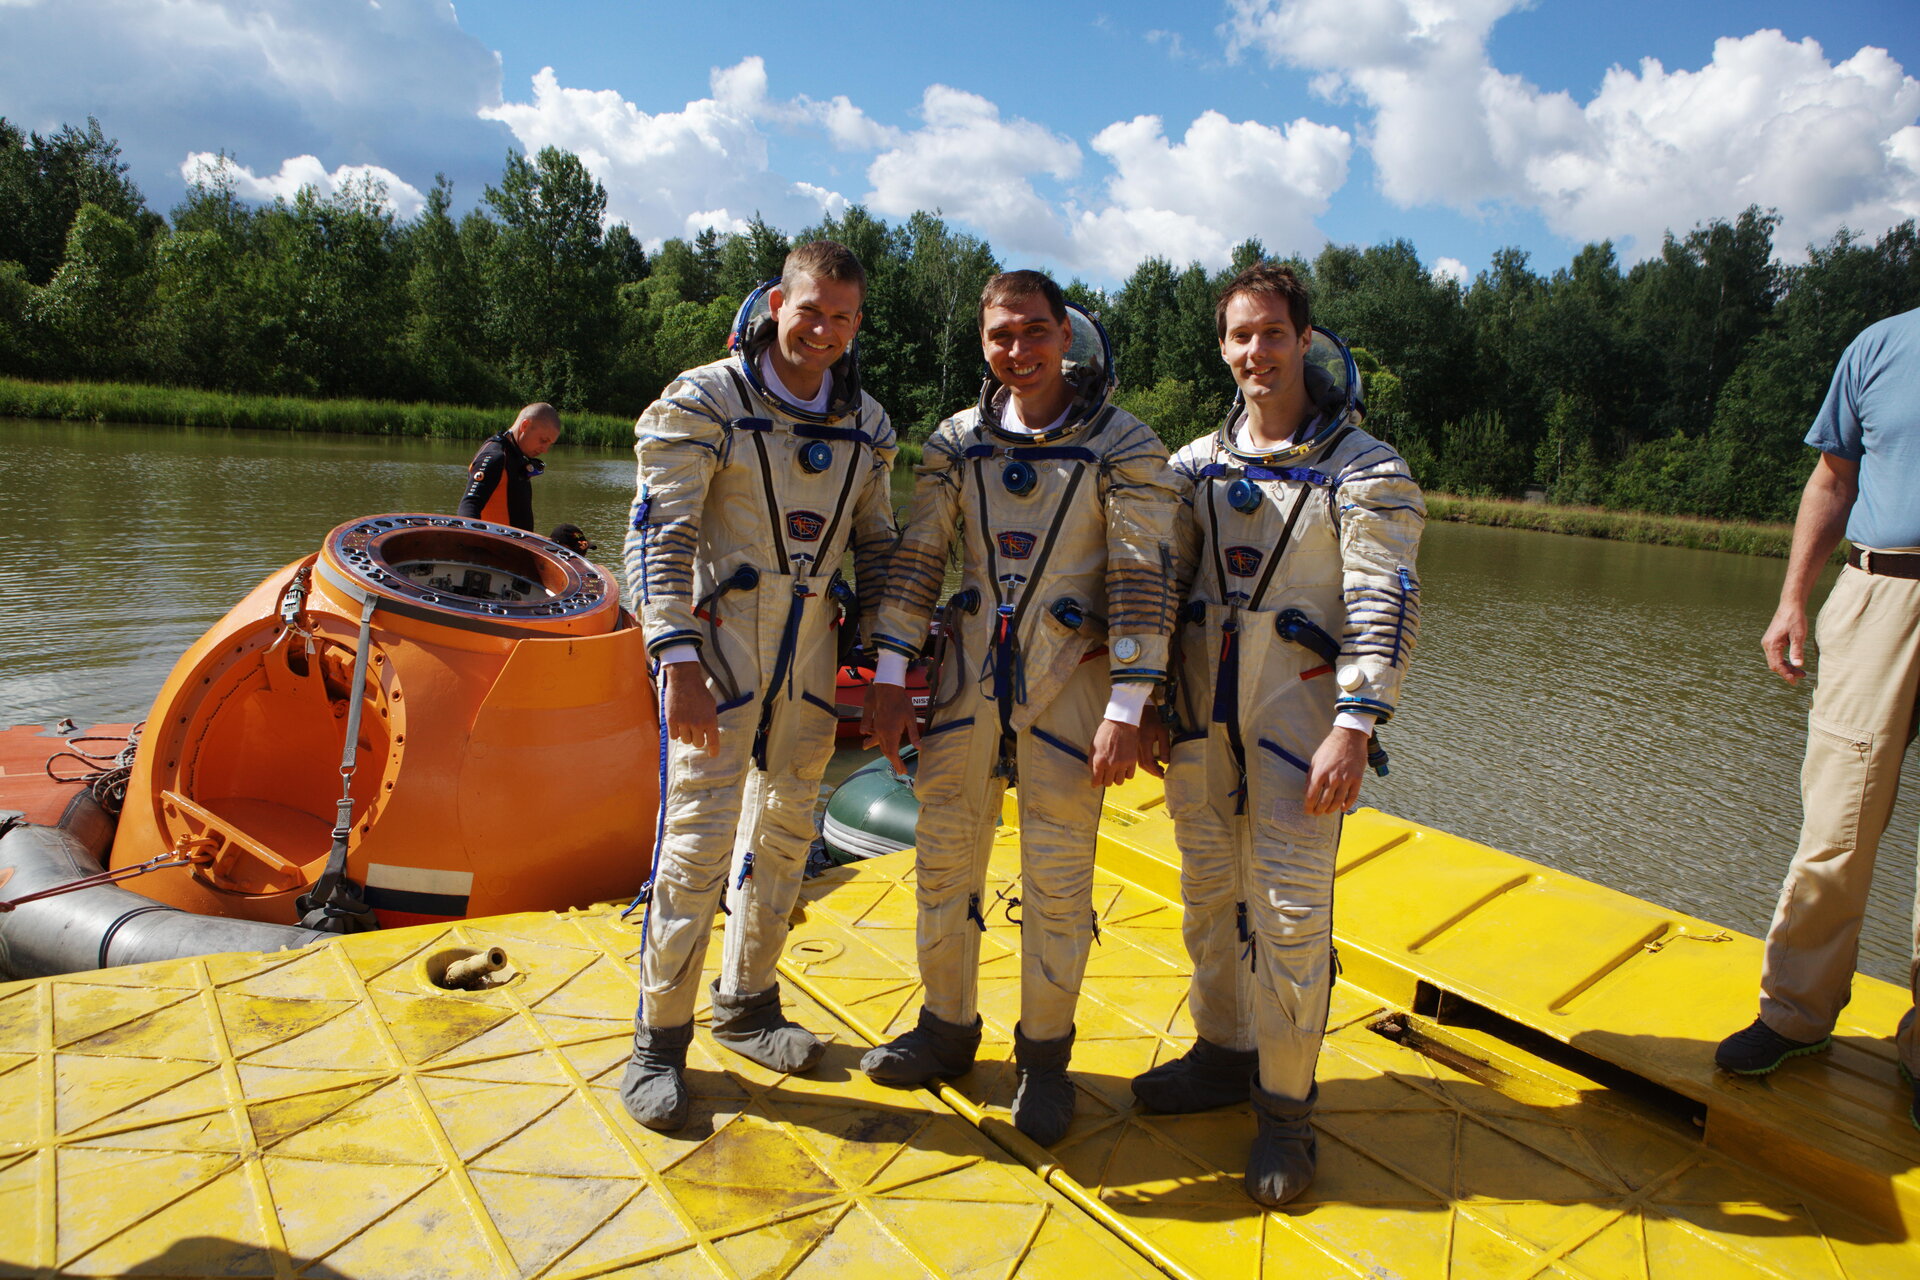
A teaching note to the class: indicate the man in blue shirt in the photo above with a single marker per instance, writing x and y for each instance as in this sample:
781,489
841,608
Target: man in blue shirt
1865,484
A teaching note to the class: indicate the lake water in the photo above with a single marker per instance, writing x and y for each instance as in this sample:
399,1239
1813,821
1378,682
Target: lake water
1599,707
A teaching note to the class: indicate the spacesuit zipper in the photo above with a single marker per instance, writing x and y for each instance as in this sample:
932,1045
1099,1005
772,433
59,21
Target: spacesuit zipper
1226,703
782,671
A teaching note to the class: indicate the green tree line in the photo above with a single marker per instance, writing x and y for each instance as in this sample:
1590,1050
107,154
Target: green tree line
1680,385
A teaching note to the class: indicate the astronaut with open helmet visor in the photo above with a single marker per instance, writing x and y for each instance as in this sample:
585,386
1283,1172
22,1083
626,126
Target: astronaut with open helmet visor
757,473
1063,505
1300,604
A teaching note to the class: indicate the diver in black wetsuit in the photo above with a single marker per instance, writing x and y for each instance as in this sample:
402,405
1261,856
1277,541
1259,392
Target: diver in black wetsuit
500,487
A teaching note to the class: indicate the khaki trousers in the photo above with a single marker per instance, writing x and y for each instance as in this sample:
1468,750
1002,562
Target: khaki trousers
1862,720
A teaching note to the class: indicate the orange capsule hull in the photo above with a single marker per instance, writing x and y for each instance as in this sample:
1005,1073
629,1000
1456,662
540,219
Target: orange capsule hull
507,757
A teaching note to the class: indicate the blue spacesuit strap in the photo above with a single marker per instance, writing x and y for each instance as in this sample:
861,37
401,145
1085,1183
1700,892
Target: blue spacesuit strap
757,429
812,431
1219,561
774,514
1294,475
1032,452
645,896
782,669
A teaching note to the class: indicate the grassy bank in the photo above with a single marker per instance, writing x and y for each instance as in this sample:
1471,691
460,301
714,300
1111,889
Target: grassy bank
181,407
1621,526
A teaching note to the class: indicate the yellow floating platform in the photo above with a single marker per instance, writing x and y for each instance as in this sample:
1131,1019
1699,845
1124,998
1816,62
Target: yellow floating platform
1519,1080
1519,1083
332,1113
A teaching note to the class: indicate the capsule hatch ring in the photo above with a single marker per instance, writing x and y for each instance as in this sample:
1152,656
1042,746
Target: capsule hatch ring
470,573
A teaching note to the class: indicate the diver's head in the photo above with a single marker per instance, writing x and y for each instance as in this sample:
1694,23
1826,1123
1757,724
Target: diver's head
535,429
816,310
1025,334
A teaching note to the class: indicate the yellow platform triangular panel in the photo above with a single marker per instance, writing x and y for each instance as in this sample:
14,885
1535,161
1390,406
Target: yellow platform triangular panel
331,1113
1435,1160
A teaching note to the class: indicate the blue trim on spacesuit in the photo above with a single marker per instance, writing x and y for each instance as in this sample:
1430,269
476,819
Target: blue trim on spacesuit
942,728
1058,743
1297,475
1292,759
1032,452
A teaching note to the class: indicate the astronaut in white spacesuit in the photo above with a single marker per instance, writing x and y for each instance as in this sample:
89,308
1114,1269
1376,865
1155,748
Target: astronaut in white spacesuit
1299,607
1054,643
756,473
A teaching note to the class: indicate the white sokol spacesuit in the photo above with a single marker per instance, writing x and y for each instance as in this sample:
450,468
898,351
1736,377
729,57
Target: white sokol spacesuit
1300,602
1066,539
745,506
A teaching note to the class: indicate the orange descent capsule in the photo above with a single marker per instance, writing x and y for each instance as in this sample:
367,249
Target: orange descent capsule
508,750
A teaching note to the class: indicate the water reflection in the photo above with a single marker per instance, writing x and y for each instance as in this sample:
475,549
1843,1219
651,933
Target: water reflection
1599,707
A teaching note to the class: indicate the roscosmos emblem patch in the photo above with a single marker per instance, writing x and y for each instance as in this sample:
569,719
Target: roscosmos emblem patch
1243,562
1016,544
805,526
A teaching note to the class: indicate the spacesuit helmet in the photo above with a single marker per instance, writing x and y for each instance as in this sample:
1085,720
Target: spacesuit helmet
1333,384
1088,367
753,329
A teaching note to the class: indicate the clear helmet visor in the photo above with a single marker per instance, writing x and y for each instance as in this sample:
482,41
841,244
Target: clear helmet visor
1088,362
1333,381
754,325
757,308
1333,385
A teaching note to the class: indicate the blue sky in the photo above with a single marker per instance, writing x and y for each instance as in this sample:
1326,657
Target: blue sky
1079,137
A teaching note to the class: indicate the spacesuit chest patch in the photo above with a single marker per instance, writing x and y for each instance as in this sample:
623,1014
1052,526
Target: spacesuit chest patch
1243,562
805,526
1016,544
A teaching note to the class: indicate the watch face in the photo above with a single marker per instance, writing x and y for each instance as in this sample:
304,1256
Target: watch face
1126,648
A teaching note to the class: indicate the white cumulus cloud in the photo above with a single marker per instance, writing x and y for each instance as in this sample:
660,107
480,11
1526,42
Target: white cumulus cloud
1451,269
397,85
672,173
972,165
1195,199
400,197
1187,199
1767,121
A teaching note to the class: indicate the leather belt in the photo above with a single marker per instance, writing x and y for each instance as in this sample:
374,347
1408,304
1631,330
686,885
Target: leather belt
1885,564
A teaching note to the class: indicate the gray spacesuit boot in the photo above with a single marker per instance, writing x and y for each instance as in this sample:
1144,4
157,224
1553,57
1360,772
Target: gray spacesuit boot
1204,1077
1284,1149
654,1090
755,1028
1044,1100
933,1050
